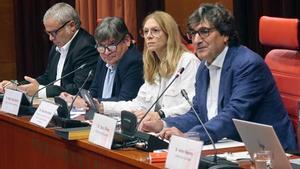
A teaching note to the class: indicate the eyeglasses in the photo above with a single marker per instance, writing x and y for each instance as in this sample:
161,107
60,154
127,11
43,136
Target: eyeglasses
110,48
202,32
55,32
153,31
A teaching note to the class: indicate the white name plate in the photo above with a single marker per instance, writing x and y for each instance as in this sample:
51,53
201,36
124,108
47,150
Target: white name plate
44,114
185,152
102,131
11,101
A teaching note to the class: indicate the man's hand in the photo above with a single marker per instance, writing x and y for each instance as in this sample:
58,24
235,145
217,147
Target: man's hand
78,103
30,88
67,97
5,84
99,106
150,116
151,126
166,133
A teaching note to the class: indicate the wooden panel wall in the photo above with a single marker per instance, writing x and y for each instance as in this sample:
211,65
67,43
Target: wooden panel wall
182,9
7,41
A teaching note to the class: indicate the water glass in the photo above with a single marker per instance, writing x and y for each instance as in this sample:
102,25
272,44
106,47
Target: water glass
263,159
192,135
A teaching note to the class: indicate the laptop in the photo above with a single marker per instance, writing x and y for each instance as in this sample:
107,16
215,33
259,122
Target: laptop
259,137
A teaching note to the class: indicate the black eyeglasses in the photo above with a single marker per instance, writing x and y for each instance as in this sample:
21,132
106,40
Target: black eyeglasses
110,48
55,32
202,32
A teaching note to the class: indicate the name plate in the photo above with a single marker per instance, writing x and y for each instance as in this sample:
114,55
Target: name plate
102,130
185,152
44,114
11,101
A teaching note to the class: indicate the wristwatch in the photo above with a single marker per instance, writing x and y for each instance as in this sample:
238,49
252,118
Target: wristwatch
161,114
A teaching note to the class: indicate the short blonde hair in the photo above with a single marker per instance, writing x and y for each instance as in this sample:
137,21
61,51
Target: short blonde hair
174,48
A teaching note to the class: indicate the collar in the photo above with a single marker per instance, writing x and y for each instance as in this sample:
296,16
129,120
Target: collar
66,47
111,67
218,62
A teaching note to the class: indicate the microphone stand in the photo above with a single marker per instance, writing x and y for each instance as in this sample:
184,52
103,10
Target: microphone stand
77,94
185,95
51,83
176,76
206,162
148,142
66,122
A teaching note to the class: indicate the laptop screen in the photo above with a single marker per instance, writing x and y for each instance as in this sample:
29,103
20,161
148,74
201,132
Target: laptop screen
259,137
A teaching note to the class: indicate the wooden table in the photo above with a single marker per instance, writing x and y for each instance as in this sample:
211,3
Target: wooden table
24,145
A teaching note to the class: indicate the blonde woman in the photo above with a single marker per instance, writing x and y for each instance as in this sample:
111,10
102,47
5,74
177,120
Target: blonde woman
163,56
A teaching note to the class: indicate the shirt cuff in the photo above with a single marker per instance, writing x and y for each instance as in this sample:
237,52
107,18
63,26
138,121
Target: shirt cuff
42,93
109,109
165,125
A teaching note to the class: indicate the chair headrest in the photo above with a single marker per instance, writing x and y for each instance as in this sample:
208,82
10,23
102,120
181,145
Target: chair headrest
279,32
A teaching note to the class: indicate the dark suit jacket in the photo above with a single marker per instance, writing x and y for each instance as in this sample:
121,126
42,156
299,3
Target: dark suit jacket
128,78
247,91
82,51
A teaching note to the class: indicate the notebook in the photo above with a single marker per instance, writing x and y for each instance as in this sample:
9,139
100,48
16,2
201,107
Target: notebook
258,137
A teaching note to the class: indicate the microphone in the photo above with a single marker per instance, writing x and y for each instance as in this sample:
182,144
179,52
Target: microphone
185,95
206,162
87,78
146,142
51,83
63,118
176,76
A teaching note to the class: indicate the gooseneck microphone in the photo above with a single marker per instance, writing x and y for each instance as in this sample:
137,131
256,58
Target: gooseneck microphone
129,135
176,76
185,95
51,83
207,162
87,78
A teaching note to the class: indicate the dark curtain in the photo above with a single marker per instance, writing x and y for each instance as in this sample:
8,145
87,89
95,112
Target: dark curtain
32,44
144,8
247,14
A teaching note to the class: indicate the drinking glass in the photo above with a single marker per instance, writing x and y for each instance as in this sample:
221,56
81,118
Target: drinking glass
192,135
263,159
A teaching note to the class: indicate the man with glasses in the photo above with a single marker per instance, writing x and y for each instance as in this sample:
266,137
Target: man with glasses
72,48
232,82
119,72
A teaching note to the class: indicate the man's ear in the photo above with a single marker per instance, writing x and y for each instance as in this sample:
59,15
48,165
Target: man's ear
127,40
73,26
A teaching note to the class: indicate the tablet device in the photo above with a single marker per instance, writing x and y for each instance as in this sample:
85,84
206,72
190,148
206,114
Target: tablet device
85,94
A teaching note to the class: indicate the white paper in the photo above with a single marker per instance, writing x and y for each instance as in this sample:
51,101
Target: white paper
102,130
11,101
225,143
44,114
234,157
75,112
183,153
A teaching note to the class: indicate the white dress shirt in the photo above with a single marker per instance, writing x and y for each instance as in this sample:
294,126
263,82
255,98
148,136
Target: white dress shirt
60,65
215,69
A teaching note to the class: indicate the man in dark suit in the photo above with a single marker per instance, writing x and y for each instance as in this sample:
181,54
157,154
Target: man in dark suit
119,72
232,82
72,48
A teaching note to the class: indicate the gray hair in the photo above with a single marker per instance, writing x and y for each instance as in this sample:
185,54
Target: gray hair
62,12
111,28
219,17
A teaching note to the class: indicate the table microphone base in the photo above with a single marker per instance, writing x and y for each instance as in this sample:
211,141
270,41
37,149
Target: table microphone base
67,123
210,162
140,140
